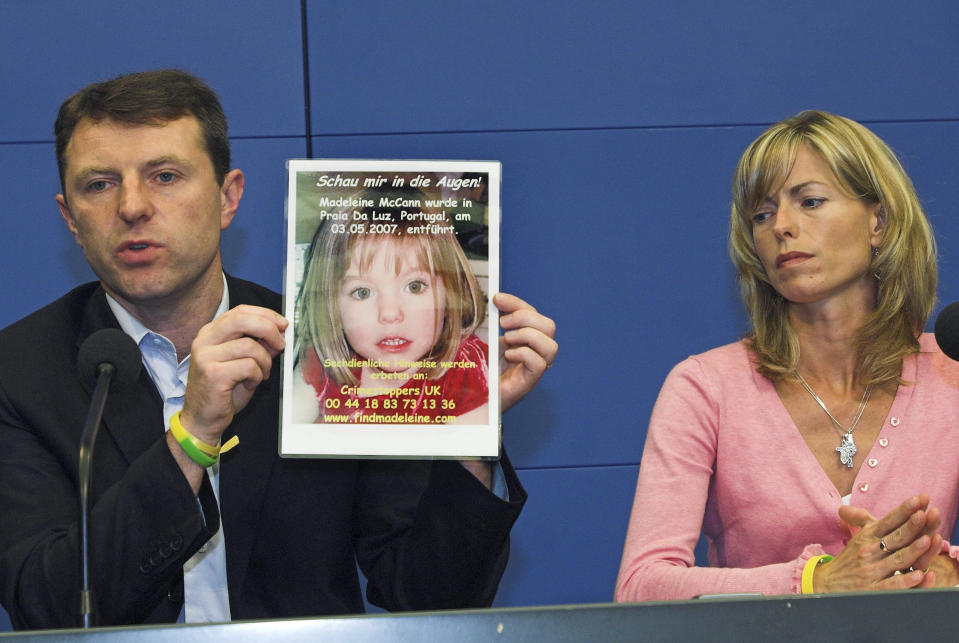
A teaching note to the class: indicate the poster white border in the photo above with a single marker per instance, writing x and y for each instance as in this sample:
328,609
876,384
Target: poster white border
391,440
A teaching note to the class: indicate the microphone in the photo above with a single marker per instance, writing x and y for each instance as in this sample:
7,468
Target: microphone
947,330
107,357
109,347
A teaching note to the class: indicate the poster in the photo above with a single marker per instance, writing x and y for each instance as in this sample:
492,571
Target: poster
390,271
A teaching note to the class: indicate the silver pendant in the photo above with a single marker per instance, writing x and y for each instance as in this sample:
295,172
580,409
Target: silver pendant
847,449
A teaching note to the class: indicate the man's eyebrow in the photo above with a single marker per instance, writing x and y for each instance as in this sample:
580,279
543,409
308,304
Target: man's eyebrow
170,158
154,162
94,169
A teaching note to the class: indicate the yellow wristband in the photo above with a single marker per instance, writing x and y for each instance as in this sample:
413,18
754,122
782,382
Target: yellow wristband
200,452
810,569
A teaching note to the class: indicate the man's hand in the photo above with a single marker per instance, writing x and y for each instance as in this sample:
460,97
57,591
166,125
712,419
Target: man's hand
228,359
527,348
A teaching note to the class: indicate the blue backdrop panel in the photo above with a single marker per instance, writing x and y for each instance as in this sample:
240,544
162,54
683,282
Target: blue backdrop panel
254,246
567,544
597,233
618,125
930,154
249,51
621,237
379,66
40,261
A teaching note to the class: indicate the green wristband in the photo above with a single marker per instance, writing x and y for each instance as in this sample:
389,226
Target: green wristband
186,442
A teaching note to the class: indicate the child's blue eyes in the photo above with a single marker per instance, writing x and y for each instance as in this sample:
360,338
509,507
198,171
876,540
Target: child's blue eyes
415,287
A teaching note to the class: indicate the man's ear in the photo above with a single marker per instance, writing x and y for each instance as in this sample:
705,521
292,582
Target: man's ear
230,194
68,217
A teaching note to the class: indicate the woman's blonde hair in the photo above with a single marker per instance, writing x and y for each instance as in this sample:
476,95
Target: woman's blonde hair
318,323
905,265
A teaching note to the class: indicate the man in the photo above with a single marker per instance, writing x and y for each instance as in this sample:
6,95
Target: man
146,190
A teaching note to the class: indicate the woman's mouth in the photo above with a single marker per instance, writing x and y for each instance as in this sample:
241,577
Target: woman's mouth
791,258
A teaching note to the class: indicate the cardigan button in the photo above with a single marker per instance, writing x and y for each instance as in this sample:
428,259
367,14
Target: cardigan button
864,486
872,462
883,442
894,421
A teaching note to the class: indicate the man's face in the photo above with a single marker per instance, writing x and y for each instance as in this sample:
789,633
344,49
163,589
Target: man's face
143,203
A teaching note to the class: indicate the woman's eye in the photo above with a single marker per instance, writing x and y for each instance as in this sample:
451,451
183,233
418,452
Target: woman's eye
812,202
759,217
361,293
416,287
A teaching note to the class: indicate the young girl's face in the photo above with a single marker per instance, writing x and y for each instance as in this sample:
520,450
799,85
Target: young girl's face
389,309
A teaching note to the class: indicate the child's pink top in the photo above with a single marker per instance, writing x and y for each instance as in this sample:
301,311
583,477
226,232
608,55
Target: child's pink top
723,456
460,389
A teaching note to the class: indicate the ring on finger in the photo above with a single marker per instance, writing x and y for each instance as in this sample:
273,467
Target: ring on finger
882,545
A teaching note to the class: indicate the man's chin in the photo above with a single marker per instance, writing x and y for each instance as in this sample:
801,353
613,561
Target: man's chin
139,293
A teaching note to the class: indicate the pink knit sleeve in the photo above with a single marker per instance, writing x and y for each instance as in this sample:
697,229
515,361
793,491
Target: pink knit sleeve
675,472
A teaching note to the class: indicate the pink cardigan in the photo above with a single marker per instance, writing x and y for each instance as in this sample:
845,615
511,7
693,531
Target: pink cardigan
723,456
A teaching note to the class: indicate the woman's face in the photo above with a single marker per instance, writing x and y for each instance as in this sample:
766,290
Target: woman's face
814,241
392,311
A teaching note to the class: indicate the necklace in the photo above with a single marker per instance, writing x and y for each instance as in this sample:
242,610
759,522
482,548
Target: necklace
847,448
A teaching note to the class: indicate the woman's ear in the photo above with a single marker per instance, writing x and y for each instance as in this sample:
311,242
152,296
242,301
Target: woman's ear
879,219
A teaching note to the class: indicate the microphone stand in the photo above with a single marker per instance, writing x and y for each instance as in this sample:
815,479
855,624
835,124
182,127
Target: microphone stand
91,426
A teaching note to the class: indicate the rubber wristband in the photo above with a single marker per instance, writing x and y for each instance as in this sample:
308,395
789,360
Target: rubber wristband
810,569
205,455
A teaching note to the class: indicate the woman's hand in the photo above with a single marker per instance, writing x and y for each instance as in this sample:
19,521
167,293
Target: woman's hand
946,571
903,540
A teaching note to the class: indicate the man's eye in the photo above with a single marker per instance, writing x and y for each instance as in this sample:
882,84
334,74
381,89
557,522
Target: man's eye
166,177
97,186
361,293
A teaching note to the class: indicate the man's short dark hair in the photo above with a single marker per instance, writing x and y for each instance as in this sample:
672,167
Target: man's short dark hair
147,98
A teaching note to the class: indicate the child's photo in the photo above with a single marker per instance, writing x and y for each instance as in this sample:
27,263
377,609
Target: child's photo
391,297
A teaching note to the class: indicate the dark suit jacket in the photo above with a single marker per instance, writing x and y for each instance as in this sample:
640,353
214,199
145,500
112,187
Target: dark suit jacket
427,535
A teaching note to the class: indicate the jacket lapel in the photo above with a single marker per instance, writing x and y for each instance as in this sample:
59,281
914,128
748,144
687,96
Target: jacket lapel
133,417
245,471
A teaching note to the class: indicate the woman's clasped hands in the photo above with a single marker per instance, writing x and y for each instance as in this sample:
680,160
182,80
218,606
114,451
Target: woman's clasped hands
901,550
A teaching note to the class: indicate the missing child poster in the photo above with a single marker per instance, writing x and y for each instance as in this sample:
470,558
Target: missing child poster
390,271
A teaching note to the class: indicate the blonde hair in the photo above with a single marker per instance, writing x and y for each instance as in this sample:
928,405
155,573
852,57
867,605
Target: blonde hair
331,253
866,169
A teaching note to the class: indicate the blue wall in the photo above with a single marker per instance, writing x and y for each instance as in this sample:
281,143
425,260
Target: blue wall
618,124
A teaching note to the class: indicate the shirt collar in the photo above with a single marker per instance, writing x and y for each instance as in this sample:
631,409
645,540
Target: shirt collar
135,329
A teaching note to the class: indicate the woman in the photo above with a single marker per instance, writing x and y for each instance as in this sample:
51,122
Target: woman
784,447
